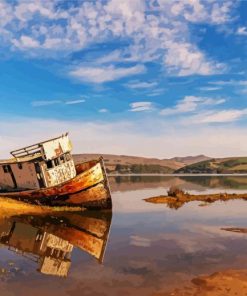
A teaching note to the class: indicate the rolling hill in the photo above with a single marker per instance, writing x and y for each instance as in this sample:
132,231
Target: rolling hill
187,160
217,166
123,164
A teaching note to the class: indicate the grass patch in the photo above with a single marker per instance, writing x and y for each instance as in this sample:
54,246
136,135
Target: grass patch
10,207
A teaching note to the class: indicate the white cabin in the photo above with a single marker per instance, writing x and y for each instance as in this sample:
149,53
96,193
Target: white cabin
41,165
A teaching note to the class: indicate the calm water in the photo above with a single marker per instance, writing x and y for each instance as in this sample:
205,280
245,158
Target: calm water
142,249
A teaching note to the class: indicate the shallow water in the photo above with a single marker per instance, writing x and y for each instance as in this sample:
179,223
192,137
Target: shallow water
143,249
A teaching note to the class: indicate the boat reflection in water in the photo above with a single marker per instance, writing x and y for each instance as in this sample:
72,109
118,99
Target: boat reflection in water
49,239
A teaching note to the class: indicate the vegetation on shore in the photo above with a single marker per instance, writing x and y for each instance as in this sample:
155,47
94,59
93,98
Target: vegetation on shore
143,169
11,207
231,182
216,166
176,198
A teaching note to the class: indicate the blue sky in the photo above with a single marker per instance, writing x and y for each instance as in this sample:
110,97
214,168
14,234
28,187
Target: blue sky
154,78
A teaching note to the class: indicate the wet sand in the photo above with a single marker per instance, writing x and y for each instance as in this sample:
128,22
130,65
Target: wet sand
228,282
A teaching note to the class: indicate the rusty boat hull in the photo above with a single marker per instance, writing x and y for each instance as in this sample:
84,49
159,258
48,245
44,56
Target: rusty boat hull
88,189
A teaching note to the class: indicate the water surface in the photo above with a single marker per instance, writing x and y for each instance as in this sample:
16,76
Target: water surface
141,249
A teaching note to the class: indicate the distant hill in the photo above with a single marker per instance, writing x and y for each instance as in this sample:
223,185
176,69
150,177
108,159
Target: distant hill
187,160
228,165
140,165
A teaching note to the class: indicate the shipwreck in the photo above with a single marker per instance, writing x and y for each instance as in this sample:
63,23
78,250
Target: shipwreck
45,174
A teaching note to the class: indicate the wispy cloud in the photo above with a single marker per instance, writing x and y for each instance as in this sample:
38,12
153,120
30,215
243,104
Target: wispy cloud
222,116
103,110
141,106
186,59
105,73
208,88
113,56
156,92
242,31
190,104
74,102
141,84
55,102
229,82
45,103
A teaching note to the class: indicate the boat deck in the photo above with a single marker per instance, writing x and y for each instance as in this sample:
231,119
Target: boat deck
20,159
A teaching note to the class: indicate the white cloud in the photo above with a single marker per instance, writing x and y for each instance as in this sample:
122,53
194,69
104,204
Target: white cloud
242,31
74,102
221,12
6,14
207,88
128,8
190,104
229,82
157,32
185,59
45,103
156,92
220,116
141,106
55,102
128,138
26,42
105,74
26,10
103,110
114,56
197,12
141,84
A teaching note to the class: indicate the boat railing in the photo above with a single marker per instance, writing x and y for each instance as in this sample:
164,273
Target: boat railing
34,149
27,151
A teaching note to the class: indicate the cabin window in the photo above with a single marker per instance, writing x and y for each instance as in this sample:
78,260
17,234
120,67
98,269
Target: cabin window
49,164
49,251
6,168
62,159
37,167
56,162
68,157
39,237
20,166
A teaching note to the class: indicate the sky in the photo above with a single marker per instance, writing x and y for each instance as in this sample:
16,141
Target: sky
153,78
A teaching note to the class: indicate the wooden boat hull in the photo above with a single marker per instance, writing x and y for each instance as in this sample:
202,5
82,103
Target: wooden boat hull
89,189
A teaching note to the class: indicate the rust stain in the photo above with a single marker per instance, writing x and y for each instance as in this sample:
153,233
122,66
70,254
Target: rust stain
88,186
58,151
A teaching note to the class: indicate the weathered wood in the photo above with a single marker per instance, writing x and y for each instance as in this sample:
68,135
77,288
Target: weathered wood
88,189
